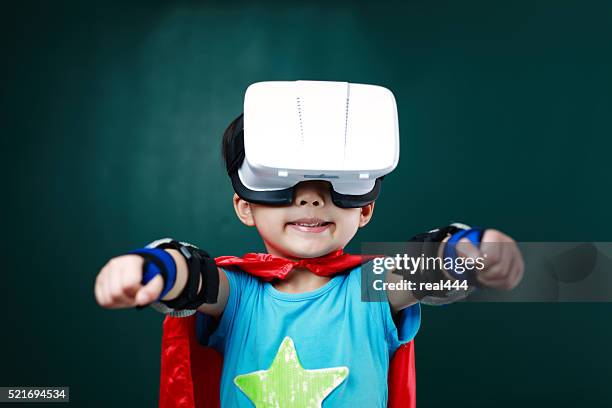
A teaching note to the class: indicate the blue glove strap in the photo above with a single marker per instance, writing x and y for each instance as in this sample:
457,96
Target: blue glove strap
474,235
151,270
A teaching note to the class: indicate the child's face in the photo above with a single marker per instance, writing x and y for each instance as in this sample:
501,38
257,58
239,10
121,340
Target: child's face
279,225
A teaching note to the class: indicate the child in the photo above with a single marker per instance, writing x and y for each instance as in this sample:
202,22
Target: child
292,334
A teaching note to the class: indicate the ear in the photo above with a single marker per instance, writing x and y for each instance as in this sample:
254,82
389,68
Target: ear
243,211
366,214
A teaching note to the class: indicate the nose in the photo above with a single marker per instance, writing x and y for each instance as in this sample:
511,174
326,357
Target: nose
310,193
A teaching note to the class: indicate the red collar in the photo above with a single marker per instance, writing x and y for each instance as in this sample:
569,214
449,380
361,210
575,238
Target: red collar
268,266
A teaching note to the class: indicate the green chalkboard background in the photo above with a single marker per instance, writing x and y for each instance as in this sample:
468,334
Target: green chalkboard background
111,121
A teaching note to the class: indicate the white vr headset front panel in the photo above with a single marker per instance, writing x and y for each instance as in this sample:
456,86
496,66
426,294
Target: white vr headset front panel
344,133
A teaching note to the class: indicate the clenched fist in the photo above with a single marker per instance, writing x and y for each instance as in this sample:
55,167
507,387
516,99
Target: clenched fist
503,262
118,284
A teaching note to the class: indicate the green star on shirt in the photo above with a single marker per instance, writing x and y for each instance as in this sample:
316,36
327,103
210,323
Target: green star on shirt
286,384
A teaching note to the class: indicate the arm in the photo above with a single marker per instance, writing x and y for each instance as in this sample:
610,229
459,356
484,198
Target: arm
213,309
119,284
216,309
401,299
503,266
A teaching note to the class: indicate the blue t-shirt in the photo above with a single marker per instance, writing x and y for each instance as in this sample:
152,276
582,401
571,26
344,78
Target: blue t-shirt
271,339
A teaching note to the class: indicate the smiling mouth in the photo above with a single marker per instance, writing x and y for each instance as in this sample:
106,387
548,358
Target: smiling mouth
310,225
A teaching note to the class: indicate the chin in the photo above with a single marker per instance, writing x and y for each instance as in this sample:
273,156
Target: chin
310,251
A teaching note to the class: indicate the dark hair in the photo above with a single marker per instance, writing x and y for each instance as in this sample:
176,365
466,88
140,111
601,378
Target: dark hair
232,145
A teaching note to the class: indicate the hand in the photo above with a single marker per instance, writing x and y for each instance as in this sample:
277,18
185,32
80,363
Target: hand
503,261
118,284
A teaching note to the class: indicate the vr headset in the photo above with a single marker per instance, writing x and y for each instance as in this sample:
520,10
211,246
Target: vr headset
295,131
